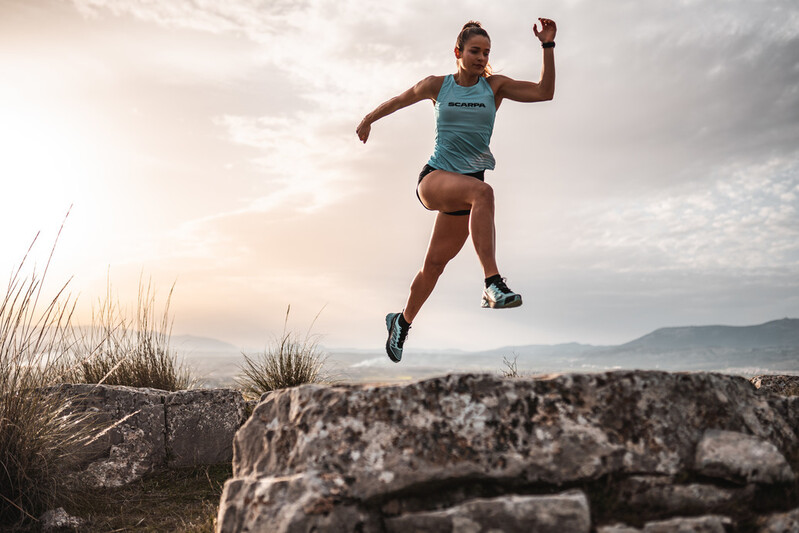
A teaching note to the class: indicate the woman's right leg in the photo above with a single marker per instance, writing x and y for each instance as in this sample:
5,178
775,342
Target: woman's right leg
447,192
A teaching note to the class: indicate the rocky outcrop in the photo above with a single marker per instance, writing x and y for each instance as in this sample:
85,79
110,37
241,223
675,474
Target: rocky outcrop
779,384
139,430
621,451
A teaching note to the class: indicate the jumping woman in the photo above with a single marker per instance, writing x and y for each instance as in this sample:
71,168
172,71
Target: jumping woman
452,181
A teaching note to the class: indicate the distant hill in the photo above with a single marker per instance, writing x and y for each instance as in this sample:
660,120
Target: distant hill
193,343
773,346
775,334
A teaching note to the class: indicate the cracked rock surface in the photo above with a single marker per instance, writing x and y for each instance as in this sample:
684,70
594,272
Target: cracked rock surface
380,458
141,430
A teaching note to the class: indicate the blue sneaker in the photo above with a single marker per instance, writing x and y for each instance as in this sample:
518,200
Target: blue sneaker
499,296
396,337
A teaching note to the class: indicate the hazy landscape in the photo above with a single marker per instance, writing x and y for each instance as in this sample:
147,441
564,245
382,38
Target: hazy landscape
772,347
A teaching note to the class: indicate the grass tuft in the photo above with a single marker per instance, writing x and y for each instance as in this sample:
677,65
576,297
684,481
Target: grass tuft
39,439
290,361
116,350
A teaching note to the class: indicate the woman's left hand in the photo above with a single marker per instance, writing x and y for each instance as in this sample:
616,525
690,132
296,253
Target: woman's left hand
548,30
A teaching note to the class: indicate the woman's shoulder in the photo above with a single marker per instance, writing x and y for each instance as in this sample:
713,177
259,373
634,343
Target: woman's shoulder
435,80
432,84
496,80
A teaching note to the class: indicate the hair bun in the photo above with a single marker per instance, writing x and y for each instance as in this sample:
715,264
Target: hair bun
471,24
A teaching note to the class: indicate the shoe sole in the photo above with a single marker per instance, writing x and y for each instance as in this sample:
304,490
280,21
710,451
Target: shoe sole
388,342
488,304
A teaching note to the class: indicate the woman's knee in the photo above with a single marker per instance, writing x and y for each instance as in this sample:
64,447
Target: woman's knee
434,266
484,194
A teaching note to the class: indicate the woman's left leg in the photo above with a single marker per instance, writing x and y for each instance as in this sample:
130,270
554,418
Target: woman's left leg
449,234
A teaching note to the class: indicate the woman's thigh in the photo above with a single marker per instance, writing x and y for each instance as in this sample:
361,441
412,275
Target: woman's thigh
447,191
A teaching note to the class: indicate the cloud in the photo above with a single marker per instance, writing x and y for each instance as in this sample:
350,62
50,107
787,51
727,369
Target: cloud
745,221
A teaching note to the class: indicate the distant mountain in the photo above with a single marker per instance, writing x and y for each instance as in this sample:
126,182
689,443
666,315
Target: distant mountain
561,350
773,346
775,334
193,343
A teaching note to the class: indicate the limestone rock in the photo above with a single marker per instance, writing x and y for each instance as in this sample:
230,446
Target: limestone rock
777,384
200,425
700,524
780,523
738,457
57,520
140,430
301,502
131,421
617,528
662,495
565,429
508,514
422,449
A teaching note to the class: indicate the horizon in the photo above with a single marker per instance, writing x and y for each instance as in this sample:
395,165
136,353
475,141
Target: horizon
212,146
422,349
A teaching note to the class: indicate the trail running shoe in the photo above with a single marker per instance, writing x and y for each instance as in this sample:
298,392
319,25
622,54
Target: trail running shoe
396,337
499,296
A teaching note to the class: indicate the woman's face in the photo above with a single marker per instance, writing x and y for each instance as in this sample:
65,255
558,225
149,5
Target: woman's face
474,56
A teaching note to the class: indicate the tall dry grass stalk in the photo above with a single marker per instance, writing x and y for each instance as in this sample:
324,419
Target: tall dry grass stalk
291,360
118,350
39,438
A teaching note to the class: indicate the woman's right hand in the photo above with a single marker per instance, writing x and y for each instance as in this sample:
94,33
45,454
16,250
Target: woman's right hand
363,130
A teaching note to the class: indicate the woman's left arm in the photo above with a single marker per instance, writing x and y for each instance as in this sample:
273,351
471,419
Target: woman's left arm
527,91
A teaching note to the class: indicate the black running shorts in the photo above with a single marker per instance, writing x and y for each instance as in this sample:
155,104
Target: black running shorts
427,170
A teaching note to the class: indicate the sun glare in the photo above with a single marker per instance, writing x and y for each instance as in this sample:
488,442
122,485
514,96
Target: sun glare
46,167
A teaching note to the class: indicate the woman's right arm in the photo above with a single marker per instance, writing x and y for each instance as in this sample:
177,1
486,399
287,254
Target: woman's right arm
427,89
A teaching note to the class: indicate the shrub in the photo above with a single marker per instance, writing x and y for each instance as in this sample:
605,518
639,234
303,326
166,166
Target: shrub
511,370
39,438
116,350
290,361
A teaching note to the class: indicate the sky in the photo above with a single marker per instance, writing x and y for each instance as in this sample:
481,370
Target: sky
211,145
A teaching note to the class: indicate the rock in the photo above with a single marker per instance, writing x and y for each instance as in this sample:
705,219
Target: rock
131,420
387,453
701,524
617,528
58,520
780,523
200,425
663,496
301,502
738,457
776,384
141,430
508,514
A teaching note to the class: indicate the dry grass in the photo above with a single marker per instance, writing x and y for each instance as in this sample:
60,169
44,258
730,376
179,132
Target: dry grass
39,438
41,441
182,500
291,360
117,350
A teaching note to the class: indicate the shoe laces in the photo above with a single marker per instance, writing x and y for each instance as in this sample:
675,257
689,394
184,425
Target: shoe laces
402,334
500,284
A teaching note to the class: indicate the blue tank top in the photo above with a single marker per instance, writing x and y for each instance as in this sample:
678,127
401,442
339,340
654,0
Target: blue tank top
464,124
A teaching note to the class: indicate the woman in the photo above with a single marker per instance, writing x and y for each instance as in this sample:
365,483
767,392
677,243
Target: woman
452,182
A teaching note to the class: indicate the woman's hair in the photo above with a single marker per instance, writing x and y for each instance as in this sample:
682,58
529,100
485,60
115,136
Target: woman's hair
469,30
